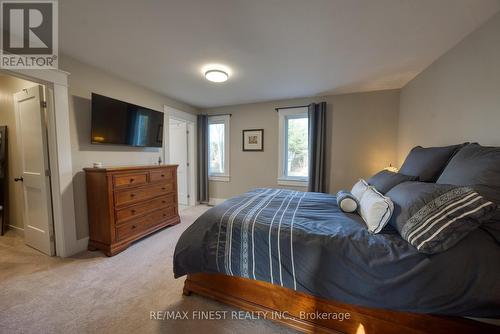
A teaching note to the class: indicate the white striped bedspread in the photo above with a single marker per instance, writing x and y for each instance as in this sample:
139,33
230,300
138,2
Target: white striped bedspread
303,241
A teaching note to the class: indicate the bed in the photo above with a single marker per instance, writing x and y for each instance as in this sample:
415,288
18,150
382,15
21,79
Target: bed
277,249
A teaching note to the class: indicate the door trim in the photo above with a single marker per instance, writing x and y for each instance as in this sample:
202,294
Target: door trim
172,113
63,208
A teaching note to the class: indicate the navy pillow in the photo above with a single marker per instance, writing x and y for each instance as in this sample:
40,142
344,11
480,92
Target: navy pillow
385,180
428,163
410,196
478,167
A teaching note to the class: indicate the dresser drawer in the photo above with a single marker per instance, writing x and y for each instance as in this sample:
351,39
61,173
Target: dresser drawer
162,189
161,215
132,228
130,180
164,201
132,196
124,197
165,174
153,219
132,212
140,209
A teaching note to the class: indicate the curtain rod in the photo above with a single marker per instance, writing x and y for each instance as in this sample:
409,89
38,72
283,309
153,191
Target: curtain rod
217,114
291,107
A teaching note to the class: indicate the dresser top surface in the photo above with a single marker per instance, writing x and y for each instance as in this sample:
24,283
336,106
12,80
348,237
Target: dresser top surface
124,168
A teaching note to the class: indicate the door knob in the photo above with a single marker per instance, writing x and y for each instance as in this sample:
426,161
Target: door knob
17,179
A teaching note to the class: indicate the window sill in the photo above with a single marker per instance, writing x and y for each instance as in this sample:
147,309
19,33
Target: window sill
219,178
293,183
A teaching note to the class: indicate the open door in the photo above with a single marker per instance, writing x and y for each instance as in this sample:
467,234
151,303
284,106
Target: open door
34,176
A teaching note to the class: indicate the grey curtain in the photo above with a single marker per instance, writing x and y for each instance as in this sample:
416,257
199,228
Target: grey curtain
317,143
202,164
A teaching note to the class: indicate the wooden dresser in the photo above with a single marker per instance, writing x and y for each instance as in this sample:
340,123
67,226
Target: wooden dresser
128,203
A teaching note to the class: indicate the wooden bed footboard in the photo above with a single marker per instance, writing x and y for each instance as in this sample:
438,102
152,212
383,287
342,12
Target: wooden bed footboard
316,315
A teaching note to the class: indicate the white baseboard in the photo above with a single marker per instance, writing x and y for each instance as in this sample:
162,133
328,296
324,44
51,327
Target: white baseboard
216,201
81,245
16,227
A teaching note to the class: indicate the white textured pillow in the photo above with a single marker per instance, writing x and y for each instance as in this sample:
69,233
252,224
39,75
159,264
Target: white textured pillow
375,209
359,189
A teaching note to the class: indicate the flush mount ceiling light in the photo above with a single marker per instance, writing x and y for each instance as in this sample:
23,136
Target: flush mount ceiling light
216,73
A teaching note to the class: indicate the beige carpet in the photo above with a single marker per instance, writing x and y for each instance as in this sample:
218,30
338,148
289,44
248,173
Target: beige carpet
91,293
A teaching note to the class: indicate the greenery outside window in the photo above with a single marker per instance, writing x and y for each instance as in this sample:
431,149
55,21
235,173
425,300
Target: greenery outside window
218,148
293,146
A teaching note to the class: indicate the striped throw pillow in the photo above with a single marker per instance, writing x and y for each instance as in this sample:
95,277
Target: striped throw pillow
445,220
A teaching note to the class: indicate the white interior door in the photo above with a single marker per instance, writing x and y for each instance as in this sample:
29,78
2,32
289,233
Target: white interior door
191,162
178,150
32,141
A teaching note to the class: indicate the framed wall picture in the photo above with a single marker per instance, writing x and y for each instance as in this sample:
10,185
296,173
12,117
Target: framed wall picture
253,140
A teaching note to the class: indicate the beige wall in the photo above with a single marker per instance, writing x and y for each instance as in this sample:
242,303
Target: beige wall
362,131
457,98
83,80
8,86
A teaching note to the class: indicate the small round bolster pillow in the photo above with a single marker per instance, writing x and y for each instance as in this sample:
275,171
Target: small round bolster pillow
346,201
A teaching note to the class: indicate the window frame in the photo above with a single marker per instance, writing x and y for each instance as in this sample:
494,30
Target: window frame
284,116
220,119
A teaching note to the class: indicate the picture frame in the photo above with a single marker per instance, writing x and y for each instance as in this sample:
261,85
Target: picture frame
253,140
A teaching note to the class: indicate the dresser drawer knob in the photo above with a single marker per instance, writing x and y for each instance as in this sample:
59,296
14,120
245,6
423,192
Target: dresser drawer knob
162,175
133,211
132,195
164,215
132,180
163,188
163,202
133,226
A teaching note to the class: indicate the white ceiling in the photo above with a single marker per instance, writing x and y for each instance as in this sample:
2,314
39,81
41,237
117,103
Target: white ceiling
276,49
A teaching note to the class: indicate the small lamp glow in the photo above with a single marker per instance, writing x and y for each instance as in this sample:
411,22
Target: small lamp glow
391,168
216,75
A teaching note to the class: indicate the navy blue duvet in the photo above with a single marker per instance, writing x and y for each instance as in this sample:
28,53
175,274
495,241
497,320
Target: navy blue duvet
303,241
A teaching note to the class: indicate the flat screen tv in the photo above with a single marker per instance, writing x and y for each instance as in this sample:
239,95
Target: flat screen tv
121,123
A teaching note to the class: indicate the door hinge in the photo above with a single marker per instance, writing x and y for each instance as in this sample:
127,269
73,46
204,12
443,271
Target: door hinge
187,164
51,237
47,172
43,104
188,196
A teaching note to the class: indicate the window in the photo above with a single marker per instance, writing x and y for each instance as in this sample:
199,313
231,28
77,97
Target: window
218,148
294,147
140,135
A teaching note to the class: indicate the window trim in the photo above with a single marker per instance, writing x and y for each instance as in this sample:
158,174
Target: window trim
284,179
221,177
